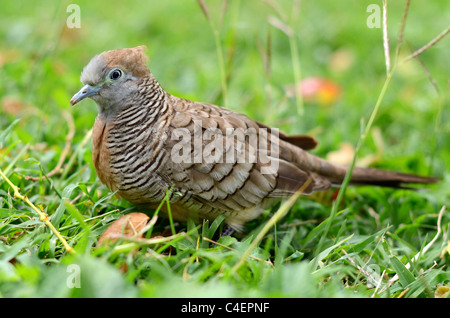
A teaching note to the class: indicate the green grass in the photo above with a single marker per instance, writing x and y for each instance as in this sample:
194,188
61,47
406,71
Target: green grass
362,251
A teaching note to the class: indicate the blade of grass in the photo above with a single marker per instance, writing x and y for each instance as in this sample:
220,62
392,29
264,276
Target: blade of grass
69,165
402,30
215,31
284,208
134,242
42,216
428,45
68,117
177,237
67,227
361,141
387,54
428,246
286,29
405,276
169,210
6,132
232,249
372,117
14,161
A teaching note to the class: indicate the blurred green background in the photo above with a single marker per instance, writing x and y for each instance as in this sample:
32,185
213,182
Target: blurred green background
40,64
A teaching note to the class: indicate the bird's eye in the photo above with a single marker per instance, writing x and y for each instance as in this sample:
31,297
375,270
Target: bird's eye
115,74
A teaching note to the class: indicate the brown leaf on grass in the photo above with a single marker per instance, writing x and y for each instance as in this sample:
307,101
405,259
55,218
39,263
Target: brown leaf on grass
129,225
344,155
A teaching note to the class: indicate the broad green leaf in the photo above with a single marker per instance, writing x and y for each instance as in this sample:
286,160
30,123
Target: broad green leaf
403,273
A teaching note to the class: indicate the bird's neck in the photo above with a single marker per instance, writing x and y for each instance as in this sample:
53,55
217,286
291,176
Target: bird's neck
148,94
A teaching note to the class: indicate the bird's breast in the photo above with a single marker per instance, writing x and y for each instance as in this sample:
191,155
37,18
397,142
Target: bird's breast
134,157
100,153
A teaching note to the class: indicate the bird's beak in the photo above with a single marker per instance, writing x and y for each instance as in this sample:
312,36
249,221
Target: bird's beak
86,91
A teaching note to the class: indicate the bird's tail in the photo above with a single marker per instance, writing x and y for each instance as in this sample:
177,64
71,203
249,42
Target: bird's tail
335,173
384,178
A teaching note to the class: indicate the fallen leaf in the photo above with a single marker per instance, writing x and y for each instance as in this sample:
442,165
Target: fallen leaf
341,60
128,225
441,292
344,155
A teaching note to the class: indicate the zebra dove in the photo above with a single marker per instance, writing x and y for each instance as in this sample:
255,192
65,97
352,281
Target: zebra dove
216,161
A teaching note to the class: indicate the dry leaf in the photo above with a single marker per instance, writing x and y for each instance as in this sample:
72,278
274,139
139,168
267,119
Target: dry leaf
128,225
341,60
344,155
441,292
446,250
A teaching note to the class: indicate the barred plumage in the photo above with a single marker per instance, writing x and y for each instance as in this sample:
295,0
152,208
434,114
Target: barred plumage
137,149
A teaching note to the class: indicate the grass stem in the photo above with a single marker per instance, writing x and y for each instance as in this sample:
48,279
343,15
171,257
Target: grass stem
284,208
42,216
361,141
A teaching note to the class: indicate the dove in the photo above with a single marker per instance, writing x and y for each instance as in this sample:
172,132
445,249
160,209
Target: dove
209,160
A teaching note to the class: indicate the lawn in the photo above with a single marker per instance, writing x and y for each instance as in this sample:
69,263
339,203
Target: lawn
252,57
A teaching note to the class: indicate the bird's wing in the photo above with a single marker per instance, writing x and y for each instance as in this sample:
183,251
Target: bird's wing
227,181
302,141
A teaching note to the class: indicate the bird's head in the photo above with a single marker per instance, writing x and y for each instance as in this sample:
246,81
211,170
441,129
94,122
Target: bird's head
111,78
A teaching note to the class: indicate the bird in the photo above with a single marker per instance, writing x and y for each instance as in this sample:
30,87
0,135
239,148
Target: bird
209,160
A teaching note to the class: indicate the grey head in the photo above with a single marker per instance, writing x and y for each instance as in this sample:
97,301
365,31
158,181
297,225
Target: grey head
111,79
